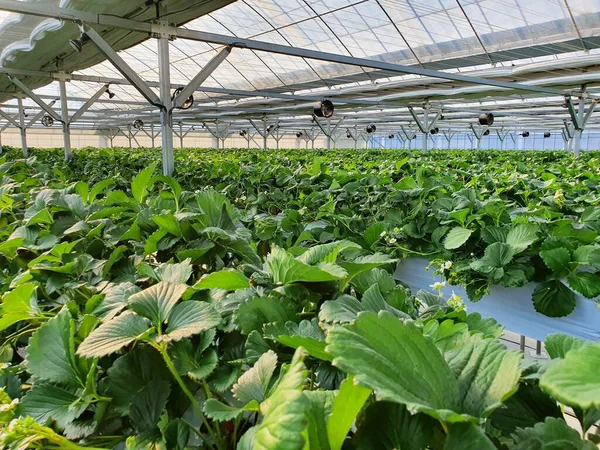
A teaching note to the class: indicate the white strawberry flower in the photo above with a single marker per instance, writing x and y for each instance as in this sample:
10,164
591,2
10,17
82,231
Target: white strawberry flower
438,285
456,302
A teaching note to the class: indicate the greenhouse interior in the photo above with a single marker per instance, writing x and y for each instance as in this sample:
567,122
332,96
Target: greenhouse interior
300,224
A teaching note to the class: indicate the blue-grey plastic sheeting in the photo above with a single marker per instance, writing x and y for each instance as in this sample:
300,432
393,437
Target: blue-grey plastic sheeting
511,307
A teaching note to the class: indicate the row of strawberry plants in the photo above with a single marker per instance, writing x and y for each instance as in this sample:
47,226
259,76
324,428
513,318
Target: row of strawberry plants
500,218
151,319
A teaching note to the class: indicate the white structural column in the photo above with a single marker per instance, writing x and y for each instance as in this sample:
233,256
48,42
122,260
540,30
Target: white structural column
579,118
449,135
425,124
402,140
152,134
502,136
248,136
579,130
410,135
566,135
354,135
471,139
37,100
479,131
278,136
165,102
166,113
311,136
65,118
219,136
181,134
22,126
425,131
328,131
265,131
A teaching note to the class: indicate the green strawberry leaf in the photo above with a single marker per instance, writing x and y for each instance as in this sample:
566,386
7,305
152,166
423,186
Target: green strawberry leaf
586,283
254,383
559,260
456,238
227,279
554,299
157,302
575,379
346,406
51,352
113,335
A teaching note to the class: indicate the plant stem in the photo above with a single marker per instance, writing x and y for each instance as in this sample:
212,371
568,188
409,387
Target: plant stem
186,391
65,444
445,427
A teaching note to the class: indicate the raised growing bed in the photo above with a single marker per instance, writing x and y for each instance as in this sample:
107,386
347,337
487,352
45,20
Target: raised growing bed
512,307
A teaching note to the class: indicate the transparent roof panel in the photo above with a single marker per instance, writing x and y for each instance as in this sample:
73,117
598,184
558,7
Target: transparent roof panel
483,37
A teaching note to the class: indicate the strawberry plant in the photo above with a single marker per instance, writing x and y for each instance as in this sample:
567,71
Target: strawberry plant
255,308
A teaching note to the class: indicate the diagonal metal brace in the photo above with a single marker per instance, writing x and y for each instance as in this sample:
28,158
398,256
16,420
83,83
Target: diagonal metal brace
201,77
128,73
410,134
38,116
35,98
10,119
478,131
417,120
88,104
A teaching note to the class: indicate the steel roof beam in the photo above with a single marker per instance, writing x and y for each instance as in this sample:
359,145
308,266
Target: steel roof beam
214,38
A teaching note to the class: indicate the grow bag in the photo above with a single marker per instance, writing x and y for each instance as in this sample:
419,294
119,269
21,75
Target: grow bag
511,307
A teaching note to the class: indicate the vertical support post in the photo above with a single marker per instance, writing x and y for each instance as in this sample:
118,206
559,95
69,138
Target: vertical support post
426,132
181,135
129,137
265,134
215,135
65,118
328,134
153,135
449,135
166,112
470,138
565,138
522,344
579,129
22,126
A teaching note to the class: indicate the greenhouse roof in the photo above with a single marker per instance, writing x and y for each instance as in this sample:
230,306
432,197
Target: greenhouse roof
373,58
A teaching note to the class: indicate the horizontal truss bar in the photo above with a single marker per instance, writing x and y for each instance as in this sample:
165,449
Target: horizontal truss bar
144,27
